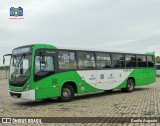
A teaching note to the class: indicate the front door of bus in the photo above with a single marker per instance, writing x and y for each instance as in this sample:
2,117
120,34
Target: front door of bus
43,72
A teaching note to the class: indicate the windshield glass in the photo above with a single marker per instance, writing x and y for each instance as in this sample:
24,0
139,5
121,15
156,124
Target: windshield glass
20,68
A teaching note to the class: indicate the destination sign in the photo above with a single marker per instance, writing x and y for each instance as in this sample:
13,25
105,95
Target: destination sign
22,50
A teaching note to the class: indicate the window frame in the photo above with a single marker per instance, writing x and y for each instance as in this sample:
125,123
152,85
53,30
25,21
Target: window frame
42,70
96,54
141,61
67,51
153,61
54,55
82,51
114,60
135,61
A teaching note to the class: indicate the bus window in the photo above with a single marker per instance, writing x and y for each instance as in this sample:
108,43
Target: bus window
103,60
150,61
142,62
86,60
157,67
118,60
67,60
130,60
48,65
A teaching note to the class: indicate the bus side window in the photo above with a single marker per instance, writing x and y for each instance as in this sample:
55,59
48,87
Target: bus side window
103,60
142,61
118,61
150,61
48,65
86,60
130,60
67,60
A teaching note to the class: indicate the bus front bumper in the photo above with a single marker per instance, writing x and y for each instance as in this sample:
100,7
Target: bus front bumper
29,95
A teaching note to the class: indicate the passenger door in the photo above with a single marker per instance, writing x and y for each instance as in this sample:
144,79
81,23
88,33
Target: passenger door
44,69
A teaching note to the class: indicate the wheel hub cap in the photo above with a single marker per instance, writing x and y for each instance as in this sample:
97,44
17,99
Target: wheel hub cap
66,92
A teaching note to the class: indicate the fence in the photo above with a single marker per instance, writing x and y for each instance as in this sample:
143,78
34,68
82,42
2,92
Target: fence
4,74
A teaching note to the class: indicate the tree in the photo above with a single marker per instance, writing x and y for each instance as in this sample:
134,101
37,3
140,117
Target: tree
4,67
157,59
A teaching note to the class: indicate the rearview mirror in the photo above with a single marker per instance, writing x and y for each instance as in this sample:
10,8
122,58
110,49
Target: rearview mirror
4,58
3,61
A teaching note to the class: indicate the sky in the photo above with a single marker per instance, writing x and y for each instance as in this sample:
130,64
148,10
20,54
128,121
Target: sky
131,25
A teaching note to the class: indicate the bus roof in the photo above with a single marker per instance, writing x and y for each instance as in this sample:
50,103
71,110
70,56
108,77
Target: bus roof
90,49
105,50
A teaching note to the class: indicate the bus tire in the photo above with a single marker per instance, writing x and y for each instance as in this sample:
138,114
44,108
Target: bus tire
67,93
130,86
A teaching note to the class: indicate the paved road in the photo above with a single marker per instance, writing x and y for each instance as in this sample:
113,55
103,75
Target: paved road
143,102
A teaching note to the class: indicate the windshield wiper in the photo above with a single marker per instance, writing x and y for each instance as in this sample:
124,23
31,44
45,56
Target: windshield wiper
17,65
21,59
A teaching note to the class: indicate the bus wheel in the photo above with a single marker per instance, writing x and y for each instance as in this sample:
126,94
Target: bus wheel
67,93
130,86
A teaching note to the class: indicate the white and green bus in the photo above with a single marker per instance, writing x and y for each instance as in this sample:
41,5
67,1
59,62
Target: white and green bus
43,71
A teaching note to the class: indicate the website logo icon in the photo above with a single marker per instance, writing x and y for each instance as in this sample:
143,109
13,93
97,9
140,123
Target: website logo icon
16,12
6,120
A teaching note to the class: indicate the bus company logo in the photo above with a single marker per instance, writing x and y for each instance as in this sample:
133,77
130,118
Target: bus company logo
102,76
111,76
16,13
92,77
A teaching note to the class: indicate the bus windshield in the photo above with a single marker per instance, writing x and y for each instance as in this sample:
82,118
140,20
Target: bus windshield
20,68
